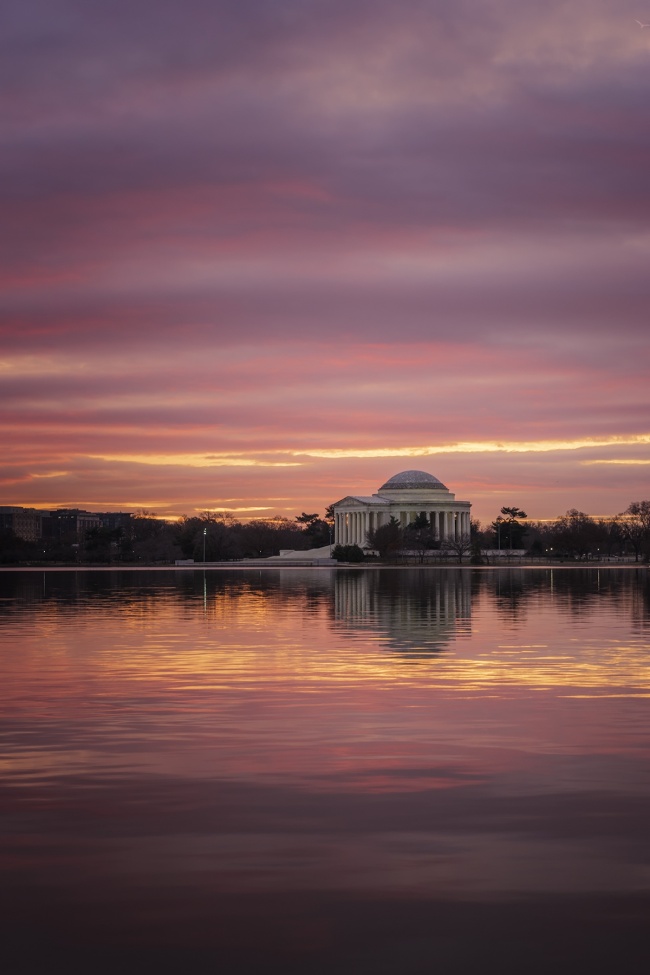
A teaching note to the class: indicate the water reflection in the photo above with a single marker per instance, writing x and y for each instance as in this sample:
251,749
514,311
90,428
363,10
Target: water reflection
359,596
414,611
324,770
576,591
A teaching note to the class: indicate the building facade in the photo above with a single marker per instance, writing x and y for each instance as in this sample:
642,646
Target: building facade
403,497
25,523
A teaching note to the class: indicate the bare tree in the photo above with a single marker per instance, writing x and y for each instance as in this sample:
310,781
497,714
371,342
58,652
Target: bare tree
635,527
460,546
576,533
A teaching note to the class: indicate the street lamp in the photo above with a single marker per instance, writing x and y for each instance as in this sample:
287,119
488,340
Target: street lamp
205,532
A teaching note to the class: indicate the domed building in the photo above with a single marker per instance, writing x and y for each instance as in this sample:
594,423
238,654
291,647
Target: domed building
404,496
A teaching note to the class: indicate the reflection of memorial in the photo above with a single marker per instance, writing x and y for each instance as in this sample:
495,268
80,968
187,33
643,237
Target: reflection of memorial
413,610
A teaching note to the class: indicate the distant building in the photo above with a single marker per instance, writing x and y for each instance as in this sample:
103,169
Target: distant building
403,497
25,523
32,524
116,519
64,522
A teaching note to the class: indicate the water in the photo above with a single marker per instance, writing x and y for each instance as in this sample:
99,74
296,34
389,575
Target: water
398,770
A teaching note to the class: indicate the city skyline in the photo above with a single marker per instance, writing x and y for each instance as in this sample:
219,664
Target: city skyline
260,256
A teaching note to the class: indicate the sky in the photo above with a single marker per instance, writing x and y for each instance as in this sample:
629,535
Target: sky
257,255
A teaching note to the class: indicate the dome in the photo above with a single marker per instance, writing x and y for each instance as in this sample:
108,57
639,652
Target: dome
413,481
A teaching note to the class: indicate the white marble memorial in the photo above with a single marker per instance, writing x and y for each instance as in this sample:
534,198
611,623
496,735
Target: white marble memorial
403,497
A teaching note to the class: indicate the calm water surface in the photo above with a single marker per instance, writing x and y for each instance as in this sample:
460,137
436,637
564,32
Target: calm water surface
398,770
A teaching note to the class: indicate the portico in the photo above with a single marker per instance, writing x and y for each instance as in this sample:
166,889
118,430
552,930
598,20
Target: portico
403,497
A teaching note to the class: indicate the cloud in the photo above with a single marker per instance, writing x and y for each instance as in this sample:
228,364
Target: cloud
254,230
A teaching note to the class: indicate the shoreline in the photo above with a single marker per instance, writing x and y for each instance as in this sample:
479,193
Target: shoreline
260,565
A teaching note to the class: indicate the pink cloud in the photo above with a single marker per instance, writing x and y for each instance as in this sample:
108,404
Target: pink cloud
268,230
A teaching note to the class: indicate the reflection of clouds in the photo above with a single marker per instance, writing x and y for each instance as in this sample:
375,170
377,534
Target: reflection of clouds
414,610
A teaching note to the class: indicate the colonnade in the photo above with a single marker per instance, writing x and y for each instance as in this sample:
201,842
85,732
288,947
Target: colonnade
352,527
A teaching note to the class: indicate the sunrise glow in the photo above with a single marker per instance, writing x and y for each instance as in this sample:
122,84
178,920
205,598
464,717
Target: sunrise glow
282,263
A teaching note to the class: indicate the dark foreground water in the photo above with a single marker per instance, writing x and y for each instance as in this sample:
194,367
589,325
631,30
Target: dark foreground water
386,771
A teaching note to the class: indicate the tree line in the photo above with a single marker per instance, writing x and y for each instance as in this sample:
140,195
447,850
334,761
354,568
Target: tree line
574,535
147,539
221,537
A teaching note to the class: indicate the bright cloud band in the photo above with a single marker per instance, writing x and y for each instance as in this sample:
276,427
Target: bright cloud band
530,446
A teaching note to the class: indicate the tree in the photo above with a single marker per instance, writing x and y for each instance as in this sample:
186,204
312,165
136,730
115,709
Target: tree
318,532
154,540
635,527
347,553
460,545
306,520
102,544
14,549
482,542
262,538
222,543
509,533
388,539
576,534
611,534
419,536
218,530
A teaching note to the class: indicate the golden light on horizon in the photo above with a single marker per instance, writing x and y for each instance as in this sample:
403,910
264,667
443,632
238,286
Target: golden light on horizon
478,447
631,461
194,460
265,458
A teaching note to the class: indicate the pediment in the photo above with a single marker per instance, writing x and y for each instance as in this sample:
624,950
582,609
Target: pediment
348,502
352,501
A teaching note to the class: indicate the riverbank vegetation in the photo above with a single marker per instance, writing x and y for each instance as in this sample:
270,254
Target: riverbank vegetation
219,537
147,540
